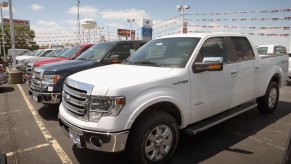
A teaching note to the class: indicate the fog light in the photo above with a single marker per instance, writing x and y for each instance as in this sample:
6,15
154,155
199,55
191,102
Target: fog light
95,141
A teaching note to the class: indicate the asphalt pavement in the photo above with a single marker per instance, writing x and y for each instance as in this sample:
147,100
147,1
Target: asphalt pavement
29,133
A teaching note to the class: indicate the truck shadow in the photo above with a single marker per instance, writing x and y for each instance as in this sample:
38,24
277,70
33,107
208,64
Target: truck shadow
6,89
49,112
198,148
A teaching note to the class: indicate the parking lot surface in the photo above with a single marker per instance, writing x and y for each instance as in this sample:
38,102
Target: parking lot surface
29,133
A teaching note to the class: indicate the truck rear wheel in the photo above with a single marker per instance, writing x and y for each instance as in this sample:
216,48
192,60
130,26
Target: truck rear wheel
268,103
153,139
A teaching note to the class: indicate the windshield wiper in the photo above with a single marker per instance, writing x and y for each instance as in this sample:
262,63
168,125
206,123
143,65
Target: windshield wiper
147,62
82,59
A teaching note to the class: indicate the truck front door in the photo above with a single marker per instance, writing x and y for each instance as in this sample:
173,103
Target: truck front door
211,92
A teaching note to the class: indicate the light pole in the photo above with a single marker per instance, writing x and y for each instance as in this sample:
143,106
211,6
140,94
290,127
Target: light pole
12,35
183,8
3,4
78,20
130,21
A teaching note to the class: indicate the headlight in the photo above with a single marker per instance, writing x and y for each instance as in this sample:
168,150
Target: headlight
49,79
105,106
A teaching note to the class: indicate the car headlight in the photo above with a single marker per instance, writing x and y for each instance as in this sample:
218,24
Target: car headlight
49,80
105,106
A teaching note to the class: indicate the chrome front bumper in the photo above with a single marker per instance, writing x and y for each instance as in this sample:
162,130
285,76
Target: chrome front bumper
47,98
101,141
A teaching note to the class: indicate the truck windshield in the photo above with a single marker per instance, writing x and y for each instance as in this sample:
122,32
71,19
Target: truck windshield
96,52
71,52
165,52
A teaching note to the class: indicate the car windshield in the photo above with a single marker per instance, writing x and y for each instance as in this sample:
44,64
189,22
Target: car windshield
96,52
39,52
71,52
52,53
165,52
60,52
27,53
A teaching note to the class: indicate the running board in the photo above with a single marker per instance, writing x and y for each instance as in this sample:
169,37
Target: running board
219,118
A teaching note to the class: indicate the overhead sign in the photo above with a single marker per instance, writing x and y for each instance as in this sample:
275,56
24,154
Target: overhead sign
123,32
147,23
146,31
17,21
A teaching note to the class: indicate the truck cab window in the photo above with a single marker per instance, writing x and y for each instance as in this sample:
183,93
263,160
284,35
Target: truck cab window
243,48
121,52
213,47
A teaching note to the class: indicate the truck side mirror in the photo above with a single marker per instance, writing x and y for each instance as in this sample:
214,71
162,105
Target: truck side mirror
208,64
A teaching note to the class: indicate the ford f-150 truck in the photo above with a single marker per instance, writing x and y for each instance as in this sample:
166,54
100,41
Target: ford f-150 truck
47,81
187,82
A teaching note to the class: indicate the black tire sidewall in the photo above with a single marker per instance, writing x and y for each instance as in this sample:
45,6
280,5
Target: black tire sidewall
264,101
140,132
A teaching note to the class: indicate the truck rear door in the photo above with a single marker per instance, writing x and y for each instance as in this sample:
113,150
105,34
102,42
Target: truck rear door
248,71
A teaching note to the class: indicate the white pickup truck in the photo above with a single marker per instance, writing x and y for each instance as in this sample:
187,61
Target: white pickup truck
183,82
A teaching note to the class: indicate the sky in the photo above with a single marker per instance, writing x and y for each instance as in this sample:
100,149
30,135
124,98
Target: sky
49,17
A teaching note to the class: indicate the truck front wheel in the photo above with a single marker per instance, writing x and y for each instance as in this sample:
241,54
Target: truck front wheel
268,103
153,139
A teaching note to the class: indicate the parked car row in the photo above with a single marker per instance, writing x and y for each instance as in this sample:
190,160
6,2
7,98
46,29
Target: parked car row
47,82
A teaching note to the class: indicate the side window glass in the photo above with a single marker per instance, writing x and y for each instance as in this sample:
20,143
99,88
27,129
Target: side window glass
121,52
213,47
280,50
243,48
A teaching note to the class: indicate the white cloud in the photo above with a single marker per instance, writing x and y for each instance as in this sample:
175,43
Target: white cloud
36,7
136,14
85,11
47,26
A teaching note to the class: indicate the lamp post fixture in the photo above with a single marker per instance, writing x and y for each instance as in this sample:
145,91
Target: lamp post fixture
12,35
3,4
78,21
130,21
183,8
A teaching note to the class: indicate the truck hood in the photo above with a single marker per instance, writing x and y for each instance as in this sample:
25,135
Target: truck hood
68,66
119,75
47,61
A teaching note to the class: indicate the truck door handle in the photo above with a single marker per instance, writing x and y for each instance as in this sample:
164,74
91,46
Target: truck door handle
257,66
233,72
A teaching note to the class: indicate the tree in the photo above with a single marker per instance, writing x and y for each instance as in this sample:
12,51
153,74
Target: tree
23,37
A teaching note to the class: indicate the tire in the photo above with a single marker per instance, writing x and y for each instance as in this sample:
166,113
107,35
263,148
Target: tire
268,103
153,130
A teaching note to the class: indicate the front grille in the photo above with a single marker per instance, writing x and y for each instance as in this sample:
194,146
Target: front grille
75,101
36,80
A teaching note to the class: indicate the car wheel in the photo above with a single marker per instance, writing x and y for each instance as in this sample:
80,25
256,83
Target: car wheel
154,139
268,103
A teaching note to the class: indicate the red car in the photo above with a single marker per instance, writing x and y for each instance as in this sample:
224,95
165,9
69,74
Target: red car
70,54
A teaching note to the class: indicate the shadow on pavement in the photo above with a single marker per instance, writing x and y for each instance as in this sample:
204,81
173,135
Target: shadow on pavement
4,89
198,148
85,156
49,112
222,137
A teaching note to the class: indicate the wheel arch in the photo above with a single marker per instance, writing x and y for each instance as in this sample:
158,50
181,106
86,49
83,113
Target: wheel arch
164,106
